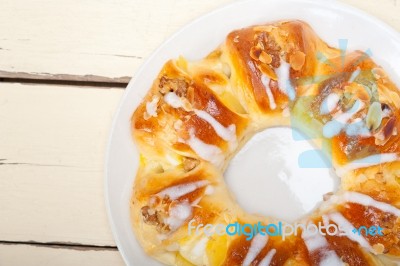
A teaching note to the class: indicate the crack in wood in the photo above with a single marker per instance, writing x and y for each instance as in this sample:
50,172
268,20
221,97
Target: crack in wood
130,56
64,79
118,55
2,162
61,245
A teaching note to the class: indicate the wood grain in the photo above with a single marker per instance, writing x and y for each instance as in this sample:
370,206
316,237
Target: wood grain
53,137
27,255
105,40
52,147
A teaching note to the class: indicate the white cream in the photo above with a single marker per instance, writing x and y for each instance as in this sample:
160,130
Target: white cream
368,161
226,133
366,200
267,259
206,151
173,100
265,81
339,122
283,73
151,107
329,103
178,215
257,244
178,191
354,74
347,227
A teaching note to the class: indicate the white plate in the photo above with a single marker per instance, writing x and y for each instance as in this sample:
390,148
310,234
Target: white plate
331,20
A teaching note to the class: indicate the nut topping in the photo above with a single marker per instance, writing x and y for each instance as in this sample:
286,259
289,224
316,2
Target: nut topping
374,116
297,60
190,163
265,58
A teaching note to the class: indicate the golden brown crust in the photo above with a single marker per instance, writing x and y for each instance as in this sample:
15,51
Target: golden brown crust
197,114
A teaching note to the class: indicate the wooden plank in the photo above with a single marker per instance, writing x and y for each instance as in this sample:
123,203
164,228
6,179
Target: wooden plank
104,40
52,148
386,10
26,255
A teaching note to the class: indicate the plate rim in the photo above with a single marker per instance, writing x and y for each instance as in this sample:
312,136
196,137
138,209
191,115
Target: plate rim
326,4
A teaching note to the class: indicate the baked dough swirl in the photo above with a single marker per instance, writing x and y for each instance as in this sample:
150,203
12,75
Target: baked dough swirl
197,115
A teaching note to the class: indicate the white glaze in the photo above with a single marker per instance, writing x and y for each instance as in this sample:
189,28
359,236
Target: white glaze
339,122
178,215
267,259
178,191
257,244
347,227
283,73
358,128
206,151
331,259
366,200
313,241
354,74
329,103
173,100
151,107
367,162
226,133
265,81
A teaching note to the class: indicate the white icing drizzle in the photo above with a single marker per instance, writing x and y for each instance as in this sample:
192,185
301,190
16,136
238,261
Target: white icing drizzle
347,227
151,107
226,133
366,200
354,74
178,191
358,128
339,122
331,259
329,103
265,81
315,241
283,73
367,162
173,100
257,244
178,215
206,151
267,259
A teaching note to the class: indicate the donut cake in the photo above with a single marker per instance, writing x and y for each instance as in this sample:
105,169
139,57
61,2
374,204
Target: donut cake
197,115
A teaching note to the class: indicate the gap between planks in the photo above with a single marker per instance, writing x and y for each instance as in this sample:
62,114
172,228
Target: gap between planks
61,245
64,79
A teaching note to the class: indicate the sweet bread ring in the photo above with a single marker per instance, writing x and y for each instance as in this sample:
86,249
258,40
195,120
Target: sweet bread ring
197,115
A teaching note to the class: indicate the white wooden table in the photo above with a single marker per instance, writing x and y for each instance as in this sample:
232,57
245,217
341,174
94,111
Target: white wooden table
63,69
